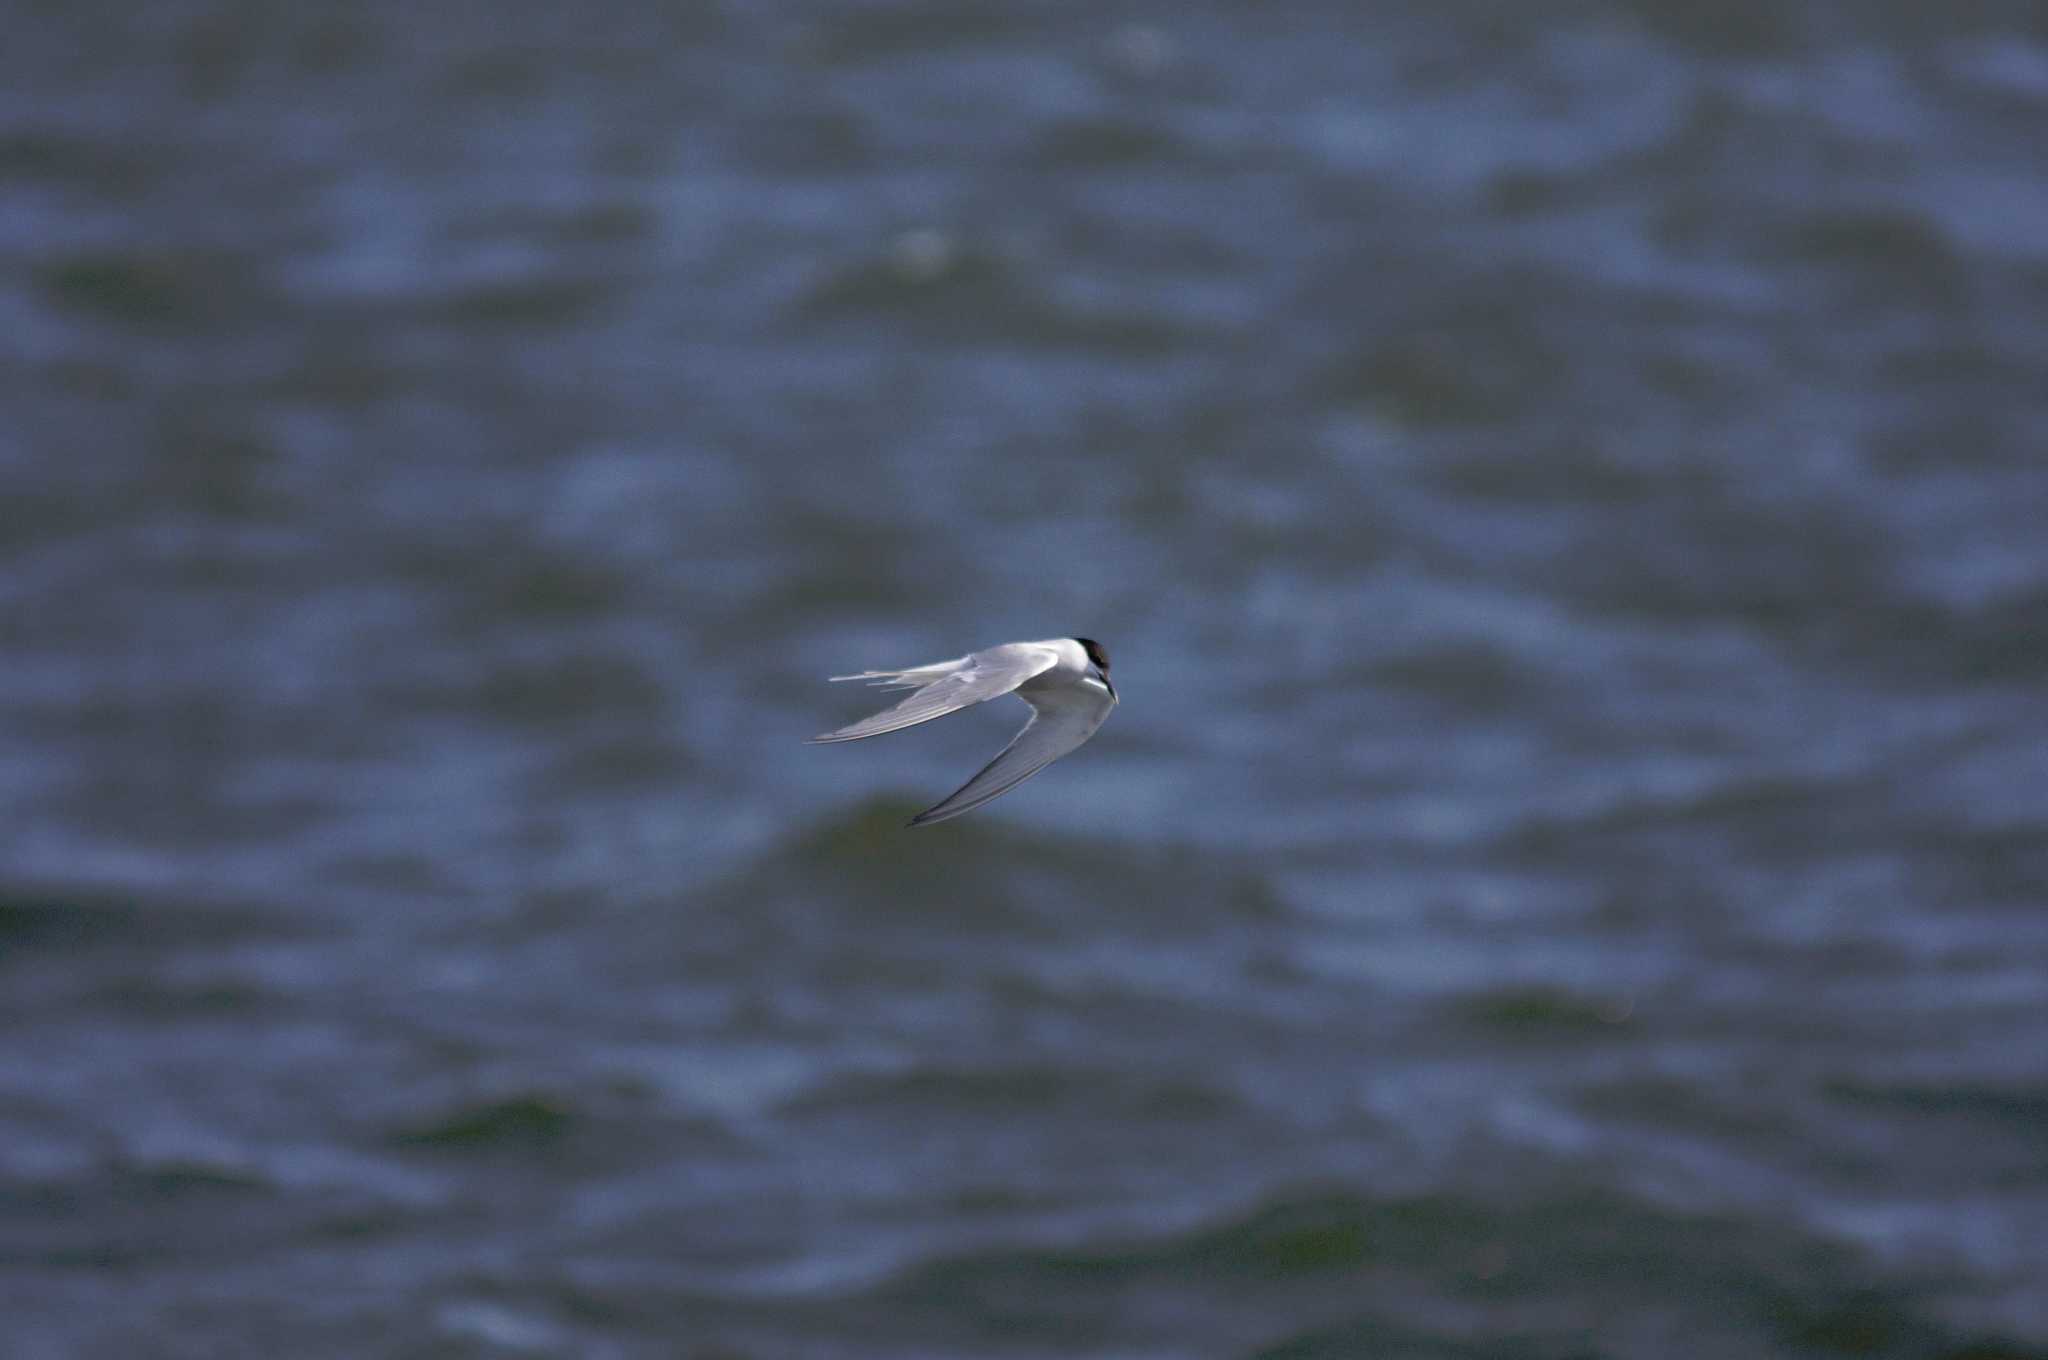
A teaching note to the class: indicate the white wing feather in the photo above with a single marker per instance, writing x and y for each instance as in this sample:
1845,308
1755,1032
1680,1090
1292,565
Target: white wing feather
947,687
1061,719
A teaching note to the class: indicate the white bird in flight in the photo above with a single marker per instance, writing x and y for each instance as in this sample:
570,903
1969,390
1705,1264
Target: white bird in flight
1065,680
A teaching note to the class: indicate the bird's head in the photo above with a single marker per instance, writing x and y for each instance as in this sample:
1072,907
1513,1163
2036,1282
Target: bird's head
1098,662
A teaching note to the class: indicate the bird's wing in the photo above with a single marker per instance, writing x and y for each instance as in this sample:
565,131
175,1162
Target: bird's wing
1061,719
947,687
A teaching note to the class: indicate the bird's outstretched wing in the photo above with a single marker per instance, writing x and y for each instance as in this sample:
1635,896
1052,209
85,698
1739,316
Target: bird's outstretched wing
947,687
1061,719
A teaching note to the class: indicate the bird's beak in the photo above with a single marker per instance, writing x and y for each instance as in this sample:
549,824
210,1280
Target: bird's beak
1105,683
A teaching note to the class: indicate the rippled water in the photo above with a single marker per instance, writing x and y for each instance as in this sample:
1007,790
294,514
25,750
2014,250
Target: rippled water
1564,488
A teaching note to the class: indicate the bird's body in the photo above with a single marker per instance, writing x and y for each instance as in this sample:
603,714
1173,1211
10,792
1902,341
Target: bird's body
1065,680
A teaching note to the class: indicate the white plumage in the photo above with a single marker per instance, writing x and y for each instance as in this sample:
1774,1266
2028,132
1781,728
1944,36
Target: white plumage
1064,680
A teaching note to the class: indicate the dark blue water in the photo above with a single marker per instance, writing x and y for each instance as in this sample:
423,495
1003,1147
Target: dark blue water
1566,491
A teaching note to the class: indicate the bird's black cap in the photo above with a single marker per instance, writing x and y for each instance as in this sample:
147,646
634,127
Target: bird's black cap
1095,651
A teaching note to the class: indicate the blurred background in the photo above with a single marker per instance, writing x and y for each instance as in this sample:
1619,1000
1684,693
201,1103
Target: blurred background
1565,488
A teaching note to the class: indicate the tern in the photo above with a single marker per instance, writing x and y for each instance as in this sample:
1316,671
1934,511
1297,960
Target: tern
1065,680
